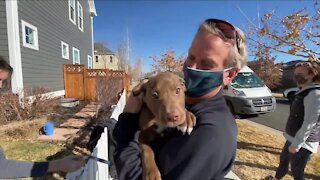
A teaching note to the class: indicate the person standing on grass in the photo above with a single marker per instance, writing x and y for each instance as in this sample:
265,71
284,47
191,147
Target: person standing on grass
21,169
303,126
217,53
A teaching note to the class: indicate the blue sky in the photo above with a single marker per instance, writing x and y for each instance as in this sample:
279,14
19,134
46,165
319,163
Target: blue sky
156,26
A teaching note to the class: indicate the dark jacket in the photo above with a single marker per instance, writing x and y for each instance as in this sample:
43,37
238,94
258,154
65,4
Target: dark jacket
297,116
20,169
207,154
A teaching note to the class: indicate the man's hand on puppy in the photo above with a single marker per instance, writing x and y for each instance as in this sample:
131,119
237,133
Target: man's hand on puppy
134,104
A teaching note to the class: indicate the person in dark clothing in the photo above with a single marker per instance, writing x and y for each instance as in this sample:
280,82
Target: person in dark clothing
217,53
302,131
21,169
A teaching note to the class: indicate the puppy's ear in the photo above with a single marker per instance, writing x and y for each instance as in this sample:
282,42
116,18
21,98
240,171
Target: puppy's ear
140,88
183,84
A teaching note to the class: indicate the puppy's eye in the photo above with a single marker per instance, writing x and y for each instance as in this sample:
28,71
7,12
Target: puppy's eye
155,95
178,90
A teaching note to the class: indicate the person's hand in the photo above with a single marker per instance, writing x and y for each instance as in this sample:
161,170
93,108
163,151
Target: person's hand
293,150
133,104
67,164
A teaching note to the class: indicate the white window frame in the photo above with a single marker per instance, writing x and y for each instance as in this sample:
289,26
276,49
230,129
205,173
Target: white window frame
80,23
90,62
67,46
74,12
35,46
74,61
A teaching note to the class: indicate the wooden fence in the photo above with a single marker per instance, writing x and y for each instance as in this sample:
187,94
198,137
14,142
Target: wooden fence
85,84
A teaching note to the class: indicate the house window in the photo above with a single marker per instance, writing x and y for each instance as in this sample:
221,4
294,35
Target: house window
65,50
97,58
111,59
76,55
72,11
80,17
29,35
89,62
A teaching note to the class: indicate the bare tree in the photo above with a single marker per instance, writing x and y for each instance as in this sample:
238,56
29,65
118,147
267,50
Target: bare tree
168,62
265,67
123,52
296,34
137,70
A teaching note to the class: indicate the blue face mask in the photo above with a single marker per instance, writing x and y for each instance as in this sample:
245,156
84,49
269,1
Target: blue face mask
201,82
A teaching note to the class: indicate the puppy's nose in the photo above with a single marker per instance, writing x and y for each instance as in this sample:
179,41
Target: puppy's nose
173,116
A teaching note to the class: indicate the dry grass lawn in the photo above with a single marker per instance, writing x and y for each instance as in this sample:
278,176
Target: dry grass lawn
258,154
34,151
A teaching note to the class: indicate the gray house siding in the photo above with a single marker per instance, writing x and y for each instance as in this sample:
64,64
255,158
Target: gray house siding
44,67
3,31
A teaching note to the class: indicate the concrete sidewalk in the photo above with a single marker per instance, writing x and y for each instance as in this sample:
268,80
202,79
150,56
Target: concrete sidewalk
72,125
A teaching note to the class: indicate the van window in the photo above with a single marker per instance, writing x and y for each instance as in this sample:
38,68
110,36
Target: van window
247,80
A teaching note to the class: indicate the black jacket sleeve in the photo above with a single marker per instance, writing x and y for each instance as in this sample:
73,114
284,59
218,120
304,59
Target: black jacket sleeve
127,153
21,169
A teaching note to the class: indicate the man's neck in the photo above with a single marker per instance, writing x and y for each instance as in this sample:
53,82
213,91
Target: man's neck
195,100
303,86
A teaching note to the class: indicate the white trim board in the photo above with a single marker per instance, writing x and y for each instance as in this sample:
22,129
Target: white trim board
14,45
55,94
48,95
92,39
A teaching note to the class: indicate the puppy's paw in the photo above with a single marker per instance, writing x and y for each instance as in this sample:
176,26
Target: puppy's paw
152,173
183,128
190,121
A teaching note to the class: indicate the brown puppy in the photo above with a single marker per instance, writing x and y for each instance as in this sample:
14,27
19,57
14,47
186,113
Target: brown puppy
164,106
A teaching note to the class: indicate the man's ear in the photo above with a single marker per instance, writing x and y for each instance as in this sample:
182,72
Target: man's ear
230,75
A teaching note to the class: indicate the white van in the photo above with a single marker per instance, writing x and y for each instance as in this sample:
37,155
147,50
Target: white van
247,94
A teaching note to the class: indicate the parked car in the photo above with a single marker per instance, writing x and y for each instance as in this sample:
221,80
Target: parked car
248,94
289,93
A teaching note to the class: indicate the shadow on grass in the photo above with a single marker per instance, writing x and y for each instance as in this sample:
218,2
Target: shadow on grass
258,147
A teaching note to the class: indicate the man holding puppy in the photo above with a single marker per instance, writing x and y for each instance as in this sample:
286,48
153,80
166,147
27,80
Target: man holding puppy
217,53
